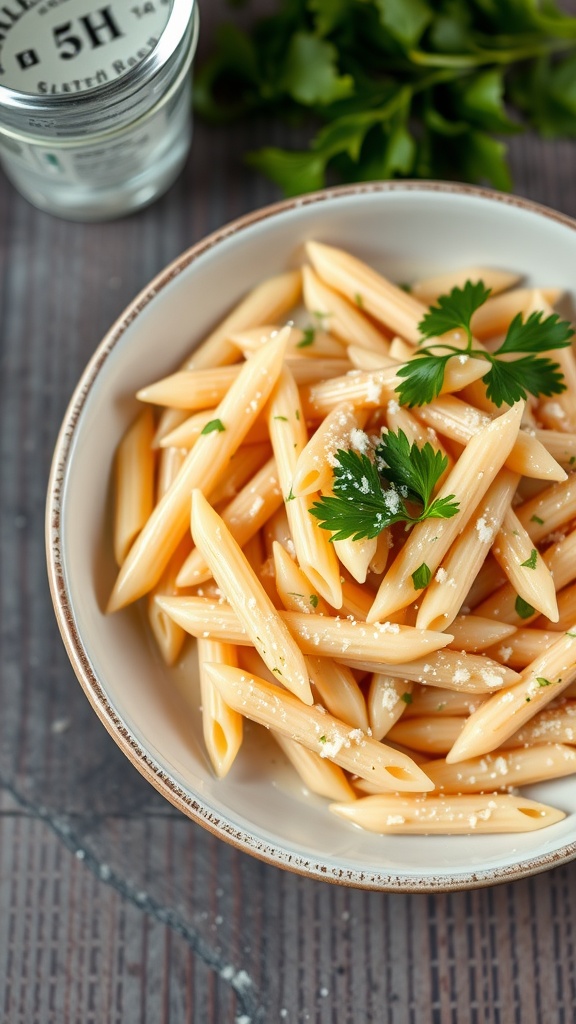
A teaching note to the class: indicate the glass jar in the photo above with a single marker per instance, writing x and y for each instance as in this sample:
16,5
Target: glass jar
95,101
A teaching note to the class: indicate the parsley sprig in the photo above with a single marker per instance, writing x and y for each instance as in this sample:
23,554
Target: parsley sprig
516,367
371,495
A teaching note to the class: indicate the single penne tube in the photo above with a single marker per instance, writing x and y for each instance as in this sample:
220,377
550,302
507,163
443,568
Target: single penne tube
222,726
549,510
429,541
448,815
450,670
343,319
428,735
338,691
318,775
387,699
202,467
496,314
314,728
248,599
434,702
339,429
241,467
289,436
558,412
472,633
308,343
566,610
201,389
369,290
505,605
243,516
459,421
524,566
561,446
554,725
294,588
518,650
505,712
169,636
386,642
503,769
267,303
357,556
169,465
134,466
187,432
445,593
429,289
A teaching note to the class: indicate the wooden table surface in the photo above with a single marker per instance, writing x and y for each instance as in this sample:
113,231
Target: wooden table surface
114,909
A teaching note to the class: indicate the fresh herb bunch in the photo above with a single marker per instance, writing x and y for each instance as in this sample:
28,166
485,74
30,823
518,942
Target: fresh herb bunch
509,379
371,495
402,88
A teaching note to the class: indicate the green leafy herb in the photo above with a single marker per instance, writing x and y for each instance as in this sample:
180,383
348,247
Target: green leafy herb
314,600
407,698
359,300
283,418
369,496
213,425
573,635
530,563
395,88
297,414
421,577
290,496
542,681
522,608
508,380
536,519
323,739
308,336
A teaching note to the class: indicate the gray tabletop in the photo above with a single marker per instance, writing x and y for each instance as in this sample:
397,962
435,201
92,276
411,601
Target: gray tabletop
113,907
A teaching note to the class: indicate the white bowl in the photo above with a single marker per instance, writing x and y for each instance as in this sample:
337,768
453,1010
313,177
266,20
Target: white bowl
405,229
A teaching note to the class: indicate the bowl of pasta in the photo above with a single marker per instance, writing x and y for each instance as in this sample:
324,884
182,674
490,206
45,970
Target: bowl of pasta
314,557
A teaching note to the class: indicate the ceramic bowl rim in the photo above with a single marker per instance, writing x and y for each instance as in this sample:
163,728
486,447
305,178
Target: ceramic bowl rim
147,765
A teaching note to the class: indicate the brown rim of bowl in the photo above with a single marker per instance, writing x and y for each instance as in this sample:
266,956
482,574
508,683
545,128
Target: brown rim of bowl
146,765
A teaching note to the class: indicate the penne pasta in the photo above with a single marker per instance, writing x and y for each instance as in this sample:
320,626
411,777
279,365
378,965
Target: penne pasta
343,319
442,618
314,728
497,719
221,725
248,599
266,303
288,434
244,516
440,815
134,484
504,769
428,542
202,467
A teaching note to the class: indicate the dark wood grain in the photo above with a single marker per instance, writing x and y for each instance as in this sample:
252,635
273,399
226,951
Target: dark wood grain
113,908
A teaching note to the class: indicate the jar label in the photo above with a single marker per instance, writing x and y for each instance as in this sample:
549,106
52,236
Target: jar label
50,47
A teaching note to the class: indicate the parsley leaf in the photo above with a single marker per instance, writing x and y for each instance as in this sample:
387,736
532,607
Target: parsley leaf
213,425
421,576
530,562
308,336
507,380
454,311
522,608
369,496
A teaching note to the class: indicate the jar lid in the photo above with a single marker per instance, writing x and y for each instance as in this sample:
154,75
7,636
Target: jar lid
66,62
